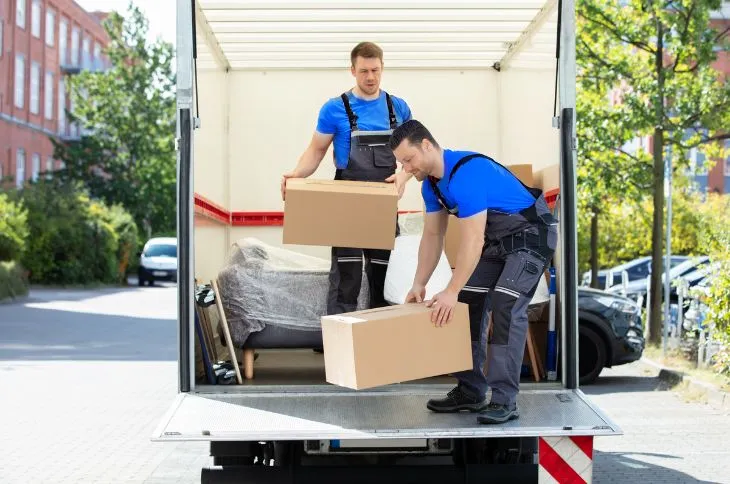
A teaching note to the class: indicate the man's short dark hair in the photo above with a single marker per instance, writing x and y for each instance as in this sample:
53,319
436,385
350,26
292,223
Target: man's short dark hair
368,50
413,131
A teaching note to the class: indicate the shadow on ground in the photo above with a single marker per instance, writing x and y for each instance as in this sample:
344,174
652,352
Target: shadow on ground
625,384
606,465
50,335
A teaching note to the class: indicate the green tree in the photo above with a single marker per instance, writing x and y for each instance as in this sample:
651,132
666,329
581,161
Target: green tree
659,55
126,153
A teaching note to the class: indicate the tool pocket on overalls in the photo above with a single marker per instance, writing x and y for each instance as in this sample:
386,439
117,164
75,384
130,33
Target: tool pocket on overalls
383,157
523,271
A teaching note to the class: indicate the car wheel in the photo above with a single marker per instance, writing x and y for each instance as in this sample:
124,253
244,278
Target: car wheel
140,281
592,356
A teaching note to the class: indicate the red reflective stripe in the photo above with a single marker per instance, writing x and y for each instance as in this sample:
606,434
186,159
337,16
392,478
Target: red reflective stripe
584,443
556,466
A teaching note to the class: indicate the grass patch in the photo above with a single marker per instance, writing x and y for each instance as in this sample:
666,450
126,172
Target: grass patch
13,281
676,360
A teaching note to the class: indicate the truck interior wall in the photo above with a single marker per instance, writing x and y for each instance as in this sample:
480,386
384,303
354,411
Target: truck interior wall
210,172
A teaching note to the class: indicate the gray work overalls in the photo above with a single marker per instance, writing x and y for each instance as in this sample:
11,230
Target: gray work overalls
517,249
370,159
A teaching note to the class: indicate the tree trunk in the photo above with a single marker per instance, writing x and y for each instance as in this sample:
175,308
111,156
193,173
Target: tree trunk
594,248
657,232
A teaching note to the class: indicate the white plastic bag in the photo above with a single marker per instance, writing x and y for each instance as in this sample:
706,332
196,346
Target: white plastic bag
402,270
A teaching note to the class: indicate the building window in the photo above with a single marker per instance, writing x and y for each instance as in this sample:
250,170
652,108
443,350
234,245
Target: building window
61,108
75,46
36,166
19,81
62,41
35,87
49,95
49,164
35,19
50,27
20,13
19,167
97,55
86,53
1,37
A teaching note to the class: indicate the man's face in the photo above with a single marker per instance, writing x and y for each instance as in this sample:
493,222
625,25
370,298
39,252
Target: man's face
416,159
367,74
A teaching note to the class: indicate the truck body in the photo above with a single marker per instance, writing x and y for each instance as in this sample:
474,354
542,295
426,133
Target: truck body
491,76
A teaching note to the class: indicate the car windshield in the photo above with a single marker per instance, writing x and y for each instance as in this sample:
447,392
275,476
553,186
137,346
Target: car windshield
161,250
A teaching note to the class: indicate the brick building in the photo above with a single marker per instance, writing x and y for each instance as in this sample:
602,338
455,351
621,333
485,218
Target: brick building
41,42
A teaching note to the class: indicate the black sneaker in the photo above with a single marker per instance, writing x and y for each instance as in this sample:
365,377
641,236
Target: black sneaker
495,413
455,401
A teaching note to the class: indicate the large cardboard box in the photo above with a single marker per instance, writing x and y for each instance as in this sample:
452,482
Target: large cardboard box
340,213
375,347
523,172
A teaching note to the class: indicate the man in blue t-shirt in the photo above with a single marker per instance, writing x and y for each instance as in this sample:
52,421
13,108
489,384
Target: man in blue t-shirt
508,236
359,122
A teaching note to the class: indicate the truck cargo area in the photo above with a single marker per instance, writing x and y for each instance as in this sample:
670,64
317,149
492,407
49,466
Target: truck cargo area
400,413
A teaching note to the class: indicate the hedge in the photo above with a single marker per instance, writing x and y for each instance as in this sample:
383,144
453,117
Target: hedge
13,282
13,228
72,239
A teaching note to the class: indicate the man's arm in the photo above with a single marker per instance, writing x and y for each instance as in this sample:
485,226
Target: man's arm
471,230
313,155
310,159
431,247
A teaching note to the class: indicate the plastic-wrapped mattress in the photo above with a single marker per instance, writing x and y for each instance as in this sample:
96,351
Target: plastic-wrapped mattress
262,285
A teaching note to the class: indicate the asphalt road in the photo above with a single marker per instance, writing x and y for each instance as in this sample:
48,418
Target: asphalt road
85,377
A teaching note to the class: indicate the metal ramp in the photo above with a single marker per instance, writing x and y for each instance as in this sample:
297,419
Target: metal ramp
249,416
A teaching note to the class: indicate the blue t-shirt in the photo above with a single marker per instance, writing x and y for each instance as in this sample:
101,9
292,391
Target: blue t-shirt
478,185
372,115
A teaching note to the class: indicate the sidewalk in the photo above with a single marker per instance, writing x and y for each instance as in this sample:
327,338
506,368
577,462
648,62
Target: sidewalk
698,389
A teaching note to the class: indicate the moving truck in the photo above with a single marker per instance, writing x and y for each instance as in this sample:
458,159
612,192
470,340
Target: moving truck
496,76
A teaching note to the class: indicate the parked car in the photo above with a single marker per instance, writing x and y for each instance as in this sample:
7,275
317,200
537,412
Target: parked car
637,289
158,261
636,269
610,332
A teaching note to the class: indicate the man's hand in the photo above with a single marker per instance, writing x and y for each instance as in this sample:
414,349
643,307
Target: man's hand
416,294
443,305
284,178
400,179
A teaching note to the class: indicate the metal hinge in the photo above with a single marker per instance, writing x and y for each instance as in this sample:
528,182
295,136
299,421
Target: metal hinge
196,123
556,122
177,144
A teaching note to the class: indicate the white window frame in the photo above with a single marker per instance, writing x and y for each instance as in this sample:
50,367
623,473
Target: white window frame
2,36
61,107
50,27
49,164
35,88
63,41
35,19
19,94
19,167
36,167
20,19
97,54
48,101
75,38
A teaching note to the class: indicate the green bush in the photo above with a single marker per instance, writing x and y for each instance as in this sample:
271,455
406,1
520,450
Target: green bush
72,239
13,228
126,232
13,282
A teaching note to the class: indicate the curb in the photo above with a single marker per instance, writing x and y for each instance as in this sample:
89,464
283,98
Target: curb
714,397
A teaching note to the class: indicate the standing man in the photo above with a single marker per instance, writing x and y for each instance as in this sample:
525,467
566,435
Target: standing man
508,236
360,122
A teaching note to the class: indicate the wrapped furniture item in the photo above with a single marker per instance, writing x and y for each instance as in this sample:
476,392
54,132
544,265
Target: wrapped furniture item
263,286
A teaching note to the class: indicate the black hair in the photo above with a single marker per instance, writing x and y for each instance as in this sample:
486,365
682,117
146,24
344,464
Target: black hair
413,131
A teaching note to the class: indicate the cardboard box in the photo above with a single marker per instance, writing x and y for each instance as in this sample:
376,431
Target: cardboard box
523,172
548,178
340,213
365,349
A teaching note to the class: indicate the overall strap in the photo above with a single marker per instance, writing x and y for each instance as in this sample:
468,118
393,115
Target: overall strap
352,117
435,187
391,113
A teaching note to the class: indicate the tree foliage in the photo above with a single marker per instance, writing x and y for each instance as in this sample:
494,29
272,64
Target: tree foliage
657,59
127,113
